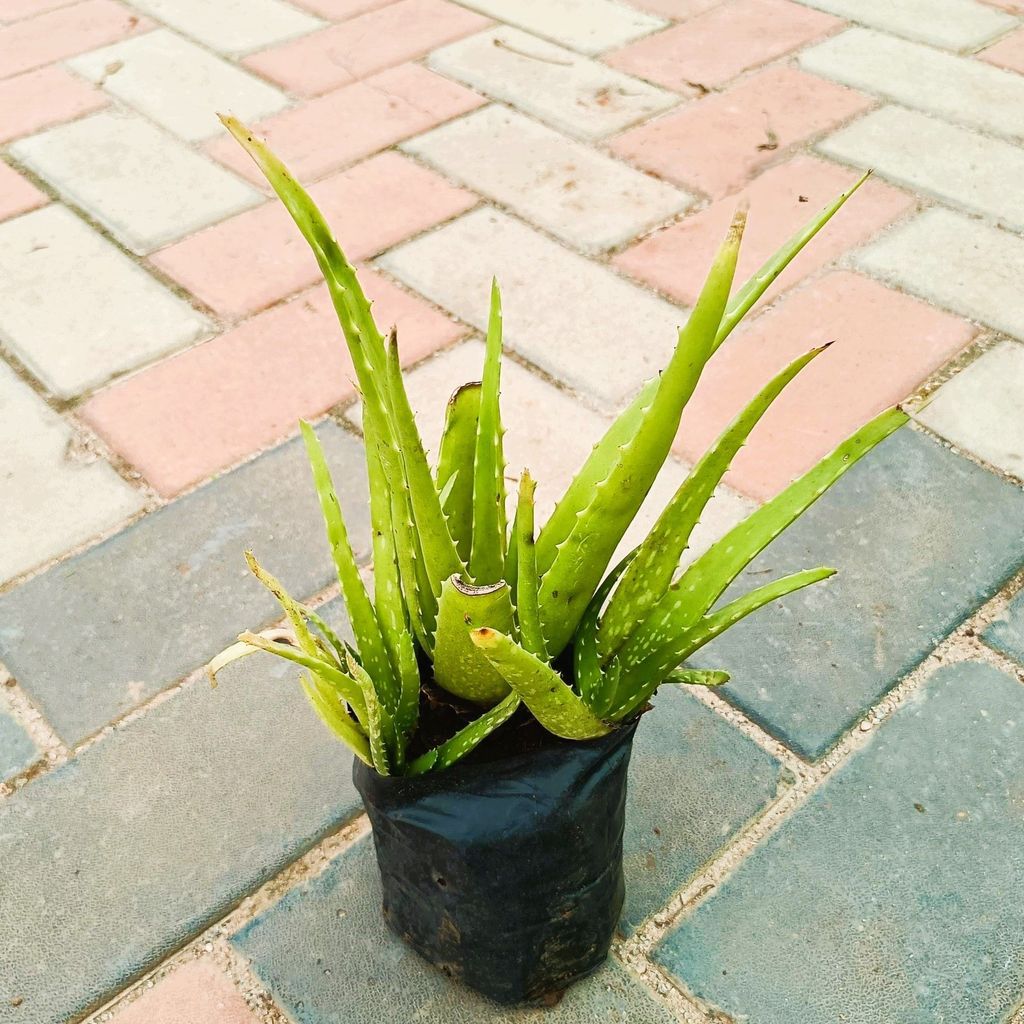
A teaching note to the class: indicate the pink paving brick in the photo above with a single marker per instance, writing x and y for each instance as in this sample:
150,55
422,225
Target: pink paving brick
886,343
339,10
716,144
184,419
355,121
1008,52
716,46
250,261
37,99
15,10
16,194
62,33
197,993
344,53
782,200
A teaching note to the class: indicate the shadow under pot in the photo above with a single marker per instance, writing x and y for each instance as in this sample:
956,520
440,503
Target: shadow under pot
506,874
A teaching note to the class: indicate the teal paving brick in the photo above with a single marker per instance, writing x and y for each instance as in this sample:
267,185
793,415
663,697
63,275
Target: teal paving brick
17,751
893,895
694,781
118,857
1006,632
97,634
921,538
327,958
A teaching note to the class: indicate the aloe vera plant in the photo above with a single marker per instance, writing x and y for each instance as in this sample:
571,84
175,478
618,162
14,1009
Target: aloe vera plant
500,614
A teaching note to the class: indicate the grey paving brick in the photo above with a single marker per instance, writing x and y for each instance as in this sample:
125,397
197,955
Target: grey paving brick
961,167
957,262
921,538
17,751
694,781
97,634
888,897
327,958
123,854
1006,632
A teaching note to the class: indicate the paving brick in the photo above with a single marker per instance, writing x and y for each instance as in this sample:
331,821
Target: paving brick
691,56
149,836
551,434
178,84
15,10
246,263
955,165
954,24
868,900
38,99
588,26
575,94
339,10
979,409
52,499
197,992
346,125
716,144
694,782
54,35
548,293
371,42
327,957
678,10
17,194
956,262
886,345
250,386
921,537
584,197
675,259
232,26
959,88
145,187
117,315
17,751
1007,53
1006,633
159,599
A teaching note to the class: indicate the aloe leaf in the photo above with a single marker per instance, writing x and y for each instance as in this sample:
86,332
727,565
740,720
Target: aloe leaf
292,608
527,607
488,545
459,666
454,473
583,555
370,642
466,739
765,276
336,717
242,650
380,728
657,558
698,677
551,701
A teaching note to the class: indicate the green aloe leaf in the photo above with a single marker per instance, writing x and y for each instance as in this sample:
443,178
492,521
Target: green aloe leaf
336,717
466,739
657,558
454,474
489,527
551,701
385,749
527,606
698,677
459,666
582,556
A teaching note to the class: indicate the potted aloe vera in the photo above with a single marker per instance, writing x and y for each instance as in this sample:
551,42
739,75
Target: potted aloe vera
498,671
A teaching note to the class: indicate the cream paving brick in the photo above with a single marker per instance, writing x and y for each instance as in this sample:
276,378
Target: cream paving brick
588,26
575,319
954,24
956,262
953,164
179,84
145,186
53,500
979,409
573,93
76,311
550,433
959,88
584,197
232,26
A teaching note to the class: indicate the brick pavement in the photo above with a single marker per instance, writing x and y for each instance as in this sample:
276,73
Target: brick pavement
836,834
